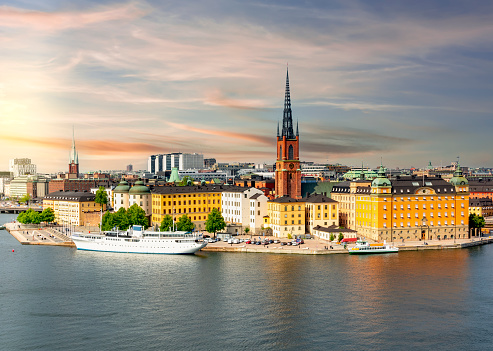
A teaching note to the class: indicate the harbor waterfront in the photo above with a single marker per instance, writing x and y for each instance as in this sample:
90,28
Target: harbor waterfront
59,298
27,235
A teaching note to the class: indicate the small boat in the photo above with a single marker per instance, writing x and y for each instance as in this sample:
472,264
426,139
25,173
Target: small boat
364,248
137,240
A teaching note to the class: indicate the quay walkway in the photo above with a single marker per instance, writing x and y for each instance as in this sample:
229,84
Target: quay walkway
37,235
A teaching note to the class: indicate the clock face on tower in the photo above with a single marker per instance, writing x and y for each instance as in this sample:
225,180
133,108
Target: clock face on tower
291,165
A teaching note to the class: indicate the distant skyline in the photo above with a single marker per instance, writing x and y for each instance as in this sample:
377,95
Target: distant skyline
406,82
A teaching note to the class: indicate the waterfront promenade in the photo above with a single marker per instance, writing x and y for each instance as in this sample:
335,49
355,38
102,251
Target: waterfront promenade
38,235
29,235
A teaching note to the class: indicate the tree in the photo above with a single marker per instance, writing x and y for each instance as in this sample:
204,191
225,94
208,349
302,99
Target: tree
186,180
107,221
247,230
332,237
25,199
215,222
137,216
29,216
185,224
101,199
47,215
120,219
341,236
166,223
476,221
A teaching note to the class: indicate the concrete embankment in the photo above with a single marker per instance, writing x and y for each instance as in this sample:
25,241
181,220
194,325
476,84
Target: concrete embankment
38,236
318,247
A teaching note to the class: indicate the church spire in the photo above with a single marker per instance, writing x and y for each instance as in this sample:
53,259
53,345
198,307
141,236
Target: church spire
73,157
287,119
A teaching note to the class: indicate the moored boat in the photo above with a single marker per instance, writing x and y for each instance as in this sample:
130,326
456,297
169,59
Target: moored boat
137,240
364,248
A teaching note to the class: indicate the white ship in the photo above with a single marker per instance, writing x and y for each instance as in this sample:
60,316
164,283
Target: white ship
364,248
137,240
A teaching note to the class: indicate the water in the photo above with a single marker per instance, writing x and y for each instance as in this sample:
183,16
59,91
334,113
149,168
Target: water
56,298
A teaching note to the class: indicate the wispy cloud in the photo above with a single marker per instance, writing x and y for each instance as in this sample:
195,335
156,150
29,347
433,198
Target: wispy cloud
58,20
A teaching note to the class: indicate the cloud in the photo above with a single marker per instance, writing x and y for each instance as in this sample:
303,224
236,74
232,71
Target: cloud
90,147
230,135
39,20
217,98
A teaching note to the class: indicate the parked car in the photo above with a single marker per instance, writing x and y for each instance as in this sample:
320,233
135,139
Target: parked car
248,242
294,243
257,243
289,243
283,243
235,241
276,241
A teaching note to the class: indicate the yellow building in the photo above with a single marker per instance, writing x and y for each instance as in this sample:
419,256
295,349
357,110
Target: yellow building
320,211
196,201
411,208
482,206
286,216
74,207
345,194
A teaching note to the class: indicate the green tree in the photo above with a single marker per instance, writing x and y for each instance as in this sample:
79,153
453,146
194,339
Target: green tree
247,230
166,223
215,222
137,216
107,221
29,216
476,221
341,236
186,180
101,199
185,224
120,219
332,237
25,199
47,215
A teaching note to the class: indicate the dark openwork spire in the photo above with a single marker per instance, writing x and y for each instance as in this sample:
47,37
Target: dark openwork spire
287,119
278,129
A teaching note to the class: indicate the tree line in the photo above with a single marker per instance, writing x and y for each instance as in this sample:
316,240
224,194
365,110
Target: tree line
33,217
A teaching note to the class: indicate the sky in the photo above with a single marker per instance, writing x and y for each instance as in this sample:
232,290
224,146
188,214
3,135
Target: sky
398,82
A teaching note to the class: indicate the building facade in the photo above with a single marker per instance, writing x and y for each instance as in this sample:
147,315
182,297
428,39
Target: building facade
481,206
196,201
21,166
321,211
285,216
74,208
411,208
165,162
288,169
235,205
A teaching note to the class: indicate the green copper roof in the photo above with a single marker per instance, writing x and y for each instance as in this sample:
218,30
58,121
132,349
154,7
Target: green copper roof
123,187
458,178
381,179
174,177
139,188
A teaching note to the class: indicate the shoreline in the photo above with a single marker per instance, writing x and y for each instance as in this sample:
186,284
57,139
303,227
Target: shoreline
47,236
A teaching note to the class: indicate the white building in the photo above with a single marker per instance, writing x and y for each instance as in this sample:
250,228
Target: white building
207,176
21,166
165,162
235,205
258,209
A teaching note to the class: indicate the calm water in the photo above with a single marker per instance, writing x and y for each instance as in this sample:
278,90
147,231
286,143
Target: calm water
55,298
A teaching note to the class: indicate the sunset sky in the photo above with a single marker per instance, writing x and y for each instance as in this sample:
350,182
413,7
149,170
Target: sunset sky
406,81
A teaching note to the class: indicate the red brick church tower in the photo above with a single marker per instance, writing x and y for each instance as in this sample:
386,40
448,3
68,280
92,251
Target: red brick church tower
288,169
